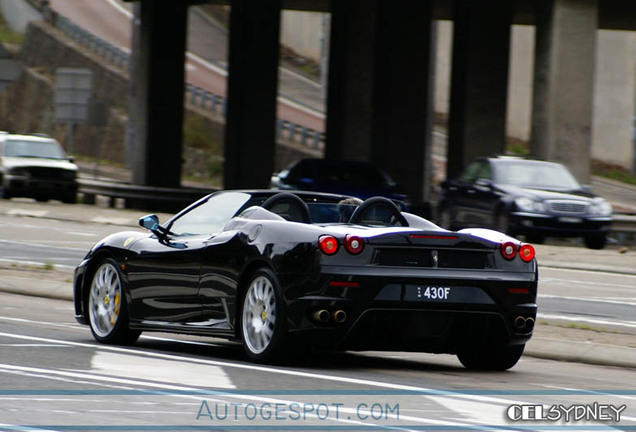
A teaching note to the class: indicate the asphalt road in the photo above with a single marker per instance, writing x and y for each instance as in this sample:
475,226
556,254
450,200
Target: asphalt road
55,377
575,295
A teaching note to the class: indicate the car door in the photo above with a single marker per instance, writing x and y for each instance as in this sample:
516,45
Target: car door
164,279
480,197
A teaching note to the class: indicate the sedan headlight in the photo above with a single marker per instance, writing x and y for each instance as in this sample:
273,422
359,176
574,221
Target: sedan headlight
528,205
600,207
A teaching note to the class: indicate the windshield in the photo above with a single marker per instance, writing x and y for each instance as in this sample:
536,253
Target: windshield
211,216
48,149
535,175
360,174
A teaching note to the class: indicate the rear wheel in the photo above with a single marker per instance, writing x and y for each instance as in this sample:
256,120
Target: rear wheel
491,358
263,327
107,310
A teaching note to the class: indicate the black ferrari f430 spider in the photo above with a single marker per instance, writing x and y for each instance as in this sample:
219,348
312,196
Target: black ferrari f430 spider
278,270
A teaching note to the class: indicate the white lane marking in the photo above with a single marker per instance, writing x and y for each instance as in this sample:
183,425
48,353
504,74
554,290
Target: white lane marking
481,399
112,382
128,366
120,8
617,300
27,345
40,245
9,427
259,368
113,221
585,282
36,263
579,318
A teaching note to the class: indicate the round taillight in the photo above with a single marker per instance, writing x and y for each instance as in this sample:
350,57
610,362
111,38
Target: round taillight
526,252
328,244
353,244
508,250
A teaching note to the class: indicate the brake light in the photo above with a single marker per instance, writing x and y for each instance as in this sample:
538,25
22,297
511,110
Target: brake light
353,244
526,252
508,250
328,244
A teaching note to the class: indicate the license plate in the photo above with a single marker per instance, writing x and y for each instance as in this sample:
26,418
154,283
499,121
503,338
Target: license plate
570,219
432,293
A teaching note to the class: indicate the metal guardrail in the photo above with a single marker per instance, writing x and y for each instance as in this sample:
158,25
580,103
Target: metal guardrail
197,96
142,197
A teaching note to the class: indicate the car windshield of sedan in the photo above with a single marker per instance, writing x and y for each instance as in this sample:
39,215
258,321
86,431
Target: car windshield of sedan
536,175
48,149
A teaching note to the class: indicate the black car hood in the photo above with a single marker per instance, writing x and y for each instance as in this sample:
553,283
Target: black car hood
545,194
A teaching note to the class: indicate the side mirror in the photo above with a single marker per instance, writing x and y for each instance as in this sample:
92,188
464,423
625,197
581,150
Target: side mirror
151,223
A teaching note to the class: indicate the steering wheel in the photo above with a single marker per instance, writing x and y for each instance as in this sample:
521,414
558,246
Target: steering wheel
291,199
358,214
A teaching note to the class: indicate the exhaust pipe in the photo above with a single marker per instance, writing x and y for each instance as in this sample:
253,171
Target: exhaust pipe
523,323
520,323
530,324
339,316
321,315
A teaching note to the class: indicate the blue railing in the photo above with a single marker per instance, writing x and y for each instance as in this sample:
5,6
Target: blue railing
196,96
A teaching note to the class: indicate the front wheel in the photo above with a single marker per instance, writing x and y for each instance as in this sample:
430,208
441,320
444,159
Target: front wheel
596,241
444,219
263,327
491,358
107,311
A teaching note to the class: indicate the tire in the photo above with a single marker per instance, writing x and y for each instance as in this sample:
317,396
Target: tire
491,358
70,198
596,241
501,222
263,322
107,308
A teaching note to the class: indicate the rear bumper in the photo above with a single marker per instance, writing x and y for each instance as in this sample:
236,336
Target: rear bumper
387,314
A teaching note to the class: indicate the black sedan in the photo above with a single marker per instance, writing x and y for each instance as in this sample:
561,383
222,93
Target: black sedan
280,270
520,196
359,179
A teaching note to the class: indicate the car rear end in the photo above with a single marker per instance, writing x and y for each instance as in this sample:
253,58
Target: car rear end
409,290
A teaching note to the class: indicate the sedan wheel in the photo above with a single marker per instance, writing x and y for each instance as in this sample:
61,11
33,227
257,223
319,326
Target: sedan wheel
262,318
107,307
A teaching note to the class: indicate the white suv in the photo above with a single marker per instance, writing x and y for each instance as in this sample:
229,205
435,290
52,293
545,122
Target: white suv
36,166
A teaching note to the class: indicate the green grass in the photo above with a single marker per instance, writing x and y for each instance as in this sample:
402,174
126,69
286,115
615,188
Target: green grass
7,35
617,174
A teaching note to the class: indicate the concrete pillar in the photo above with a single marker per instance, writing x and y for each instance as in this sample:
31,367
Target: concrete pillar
564,83
614,99
378,106
479,81
157,108
250,130
353,38
402,108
